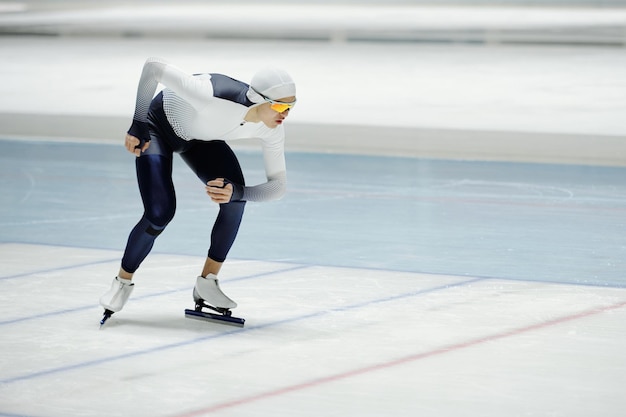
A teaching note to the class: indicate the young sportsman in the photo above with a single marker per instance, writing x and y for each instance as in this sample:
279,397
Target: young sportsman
194,116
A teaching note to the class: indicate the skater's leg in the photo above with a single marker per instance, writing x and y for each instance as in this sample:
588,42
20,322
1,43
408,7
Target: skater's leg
125,274
222,238
211,160
211,267
225,229
154,175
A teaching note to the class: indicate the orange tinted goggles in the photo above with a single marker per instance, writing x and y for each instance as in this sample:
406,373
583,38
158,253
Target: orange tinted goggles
278,106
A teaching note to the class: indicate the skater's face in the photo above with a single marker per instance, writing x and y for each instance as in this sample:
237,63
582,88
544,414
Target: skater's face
274,112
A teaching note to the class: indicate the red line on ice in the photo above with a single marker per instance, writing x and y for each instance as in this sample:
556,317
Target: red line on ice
384,365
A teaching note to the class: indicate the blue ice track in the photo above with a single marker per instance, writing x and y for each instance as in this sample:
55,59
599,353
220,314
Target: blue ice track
550,223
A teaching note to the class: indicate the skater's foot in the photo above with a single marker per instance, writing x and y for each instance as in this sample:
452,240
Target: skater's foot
208,289
114,299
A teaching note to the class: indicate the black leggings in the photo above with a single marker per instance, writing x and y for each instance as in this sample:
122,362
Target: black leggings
208,160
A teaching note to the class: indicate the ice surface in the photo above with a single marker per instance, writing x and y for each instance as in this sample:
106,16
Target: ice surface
318,341
379,286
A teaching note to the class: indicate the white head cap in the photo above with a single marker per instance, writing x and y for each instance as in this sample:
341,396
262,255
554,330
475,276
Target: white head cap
272,83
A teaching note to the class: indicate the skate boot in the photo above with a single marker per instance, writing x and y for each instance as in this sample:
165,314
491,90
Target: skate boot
114,299
208,294
208,290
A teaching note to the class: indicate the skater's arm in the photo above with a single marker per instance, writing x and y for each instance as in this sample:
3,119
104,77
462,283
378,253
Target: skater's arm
273,189
148,83
195,90
223,191
275,171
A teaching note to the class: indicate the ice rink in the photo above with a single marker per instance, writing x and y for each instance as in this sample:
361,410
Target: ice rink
452,243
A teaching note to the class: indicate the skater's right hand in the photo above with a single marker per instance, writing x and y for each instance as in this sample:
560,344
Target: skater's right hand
132,145
219,190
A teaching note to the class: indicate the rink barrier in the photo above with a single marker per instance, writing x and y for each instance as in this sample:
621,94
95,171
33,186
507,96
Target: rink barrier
449,144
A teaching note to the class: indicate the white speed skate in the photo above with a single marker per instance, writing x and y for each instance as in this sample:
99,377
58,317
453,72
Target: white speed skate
207,293
208,290
114,299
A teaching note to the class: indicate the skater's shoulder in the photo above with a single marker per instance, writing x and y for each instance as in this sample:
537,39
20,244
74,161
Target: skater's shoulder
230,89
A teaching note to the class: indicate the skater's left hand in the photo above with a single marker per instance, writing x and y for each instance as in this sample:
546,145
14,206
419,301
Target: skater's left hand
133,145
219,192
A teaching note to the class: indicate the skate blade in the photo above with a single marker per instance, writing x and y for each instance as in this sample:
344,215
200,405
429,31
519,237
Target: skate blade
215,318
107,316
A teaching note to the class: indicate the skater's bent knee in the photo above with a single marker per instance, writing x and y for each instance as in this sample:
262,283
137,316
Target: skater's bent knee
152,228
159,218
152,231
